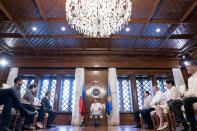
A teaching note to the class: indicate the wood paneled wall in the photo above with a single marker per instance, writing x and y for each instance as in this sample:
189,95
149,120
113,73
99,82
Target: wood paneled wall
96,77
127,119
63,118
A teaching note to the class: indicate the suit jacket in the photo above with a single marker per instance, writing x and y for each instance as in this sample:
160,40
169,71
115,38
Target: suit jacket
17,91
45,103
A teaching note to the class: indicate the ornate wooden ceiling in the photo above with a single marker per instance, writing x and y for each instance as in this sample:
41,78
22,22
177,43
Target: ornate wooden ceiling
177,20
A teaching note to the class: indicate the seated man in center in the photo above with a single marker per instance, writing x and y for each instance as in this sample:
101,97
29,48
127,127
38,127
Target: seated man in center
96,112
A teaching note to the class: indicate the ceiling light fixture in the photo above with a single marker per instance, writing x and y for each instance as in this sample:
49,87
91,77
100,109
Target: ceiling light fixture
186,63
158,30
34,28
63,28
98,18
3,62
127,29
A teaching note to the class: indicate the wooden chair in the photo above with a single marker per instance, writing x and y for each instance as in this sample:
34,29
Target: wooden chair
45,120
154,119
15,114
141,121
172,119
167,118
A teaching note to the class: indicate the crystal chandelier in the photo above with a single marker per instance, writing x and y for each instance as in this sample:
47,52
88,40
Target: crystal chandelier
98,18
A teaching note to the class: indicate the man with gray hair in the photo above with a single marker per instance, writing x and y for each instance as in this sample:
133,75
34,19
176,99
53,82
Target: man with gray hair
190,97
158,97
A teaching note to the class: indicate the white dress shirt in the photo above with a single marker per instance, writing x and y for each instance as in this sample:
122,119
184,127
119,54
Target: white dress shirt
147,101
96,108
173,93
159,97
192,85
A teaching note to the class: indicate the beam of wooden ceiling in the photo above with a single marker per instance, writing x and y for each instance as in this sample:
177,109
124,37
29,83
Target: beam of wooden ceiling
45,20
4,47
7,14
154,8
97,51
189,44
175,26
194,54
17,35
131,21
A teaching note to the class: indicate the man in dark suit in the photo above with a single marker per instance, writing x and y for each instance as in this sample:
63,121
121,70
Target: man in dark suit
26,104
48,108
9,99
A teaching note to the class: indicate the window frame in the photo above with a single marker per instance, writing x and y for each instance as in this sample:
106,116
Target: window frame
70,98
142,89
121,96
40,84
29,78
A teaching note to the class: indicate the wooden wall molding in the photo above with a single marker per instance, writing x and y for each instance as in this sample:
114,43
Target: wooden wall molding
94,62
144,71
52,71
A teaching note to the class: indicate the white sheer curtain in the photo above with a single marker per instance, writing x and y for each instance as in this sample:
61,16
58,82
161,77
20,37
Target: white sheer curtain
114,120
12,75
79,79
179,80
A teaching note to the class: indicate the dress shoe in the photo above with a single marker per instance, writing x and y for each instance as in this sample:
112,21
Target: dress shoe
149,127
137,126
28,127
30,113
50,126
53,125
192,129
186,129
5,129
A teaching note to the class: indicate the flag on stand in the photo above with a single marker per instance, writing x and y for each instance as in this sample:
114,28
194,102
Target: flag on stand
82,103
109,102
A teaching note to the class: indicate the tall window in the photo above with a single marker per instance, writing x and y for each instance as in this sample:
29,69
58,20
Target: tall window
124,86
47,84
66,94
161,84
143,85
26,82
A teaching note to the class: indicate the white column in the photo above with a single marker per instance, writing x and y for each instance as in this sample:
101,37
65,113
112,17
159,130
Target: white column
12,75
179,80
79,79
114,120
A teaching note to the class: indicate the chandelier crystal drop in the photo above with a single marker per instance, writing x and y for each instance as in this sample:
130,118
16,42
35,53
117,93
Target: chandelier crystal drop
98,18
